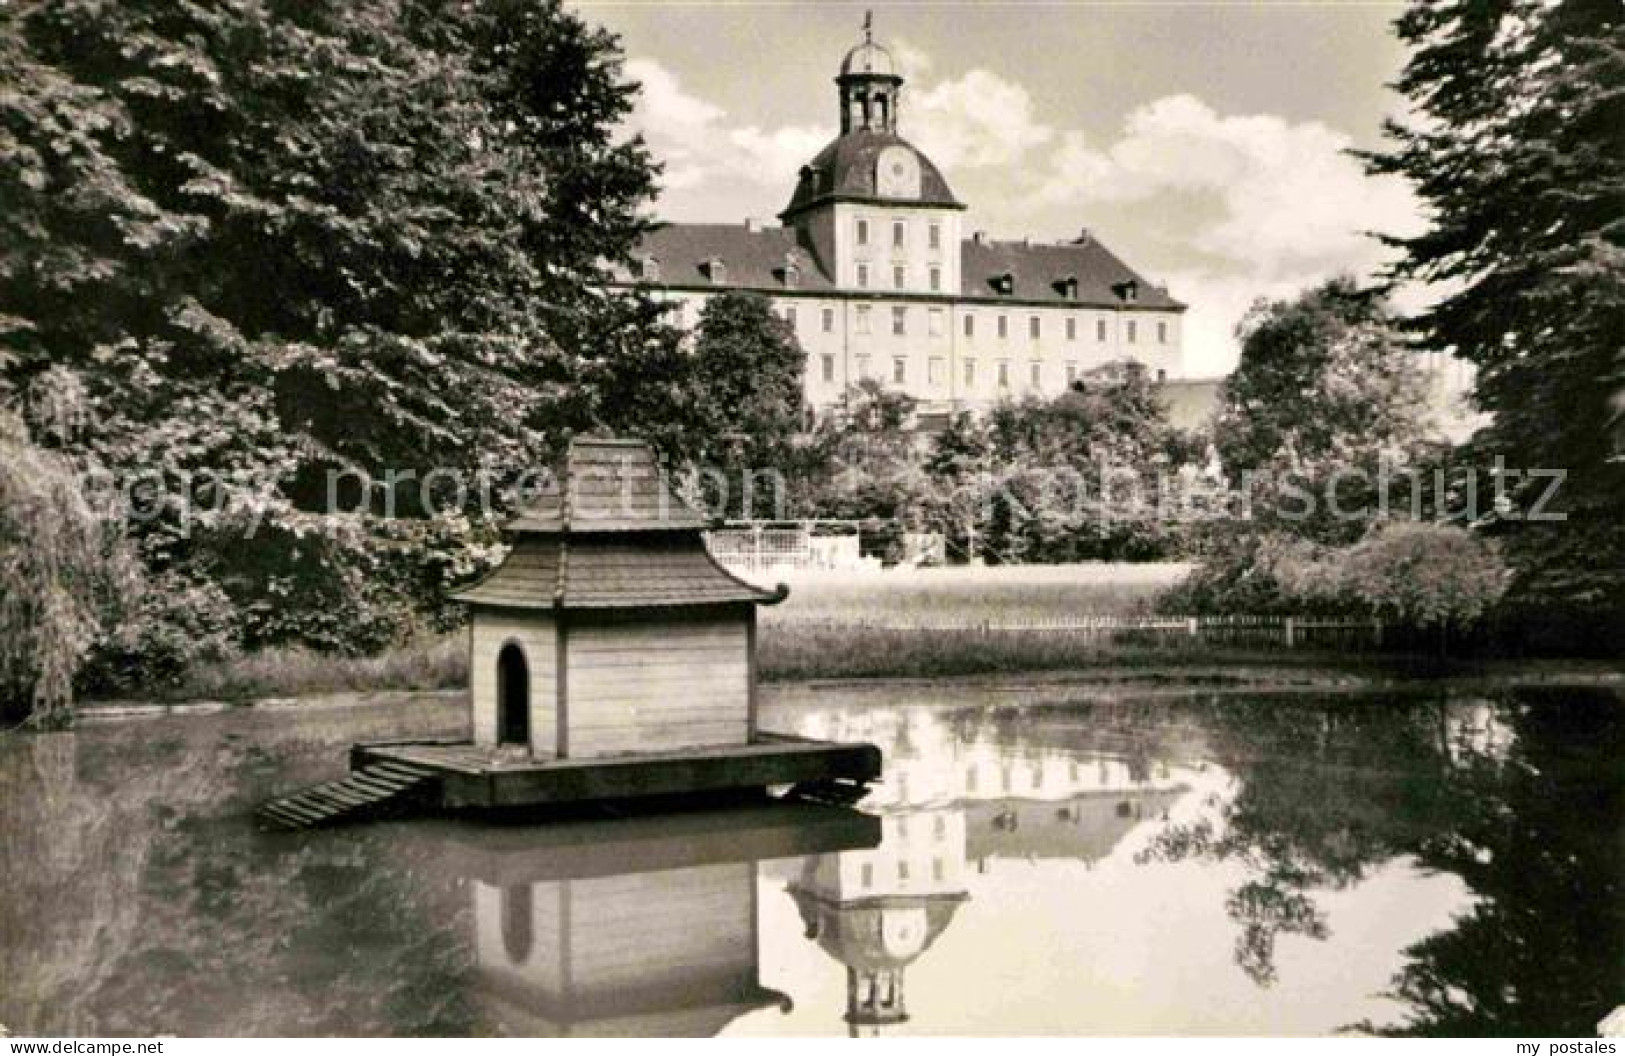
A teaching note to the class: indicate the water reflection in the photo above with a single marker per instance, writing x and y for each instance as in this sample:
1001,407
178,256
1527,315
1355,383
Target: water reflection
1232,864
949,802
643,927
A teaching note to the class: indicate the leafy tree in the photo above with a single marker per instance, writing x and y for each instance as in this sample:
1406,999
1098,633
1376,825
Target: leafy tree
745,394
1078,477
1326,374
1518,151
280,241
67,577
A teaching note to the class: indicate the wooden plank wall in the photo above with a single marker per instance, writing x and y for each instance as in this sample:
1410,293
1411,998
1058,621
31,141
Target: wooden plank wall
671,929
534,632
621,940
657,685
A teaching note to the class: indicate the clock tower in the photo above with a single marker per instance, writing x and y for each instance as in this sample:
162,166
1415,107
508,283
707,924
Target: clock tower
872,208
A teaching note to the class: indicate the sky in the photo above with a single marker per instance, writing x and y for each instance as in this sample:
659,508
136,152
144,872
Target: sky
1204,141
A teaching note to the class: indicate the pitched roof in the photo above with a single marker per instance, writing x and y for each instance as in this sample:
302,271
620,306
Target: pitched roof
606,485
617,571
609,534
1039,272
754,258
844,171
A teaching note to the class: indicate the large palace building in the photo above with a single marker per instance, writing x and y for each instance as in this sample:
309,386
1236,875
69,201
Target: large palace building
875,270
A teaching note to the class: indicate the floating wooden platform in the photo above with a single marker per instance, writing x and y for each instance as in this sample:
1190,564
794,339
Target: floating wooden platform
474,776
394,777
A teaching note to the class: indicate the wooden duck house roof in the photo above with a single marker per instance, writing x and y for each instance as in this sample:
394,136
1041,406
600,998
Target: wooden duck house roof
611,535
608,486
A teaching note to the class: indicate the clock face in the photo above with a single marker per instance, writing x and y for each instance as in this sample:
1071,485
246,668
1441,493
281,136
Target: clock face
897,173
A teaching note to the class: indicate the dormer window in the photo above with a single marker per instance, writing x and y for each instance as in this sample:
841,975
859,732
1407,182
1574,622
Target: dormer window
790,273
1067,286
649,269
1004,284
1129,291
716,271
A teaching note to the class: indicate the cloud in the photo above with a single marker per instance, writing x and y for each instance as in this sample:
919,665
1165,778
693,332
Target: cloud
978,120
700,147
1290,201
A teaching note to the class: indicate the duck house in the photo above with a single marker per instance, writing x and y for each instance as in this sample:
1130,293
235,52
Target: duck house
610,656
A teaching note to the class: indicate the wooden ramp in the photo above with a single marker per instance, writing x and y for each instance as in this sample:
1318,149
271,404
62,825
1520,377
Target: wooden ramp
378,788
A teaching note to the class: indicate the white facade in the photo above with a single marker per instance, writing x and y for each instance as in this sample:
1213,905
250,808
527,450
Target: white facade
875,272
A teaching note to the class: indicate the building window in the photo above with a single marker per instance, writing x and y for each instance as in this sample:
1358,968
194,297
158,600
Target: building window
829,369
863,366
899,370
936,280
863,276
717,271
902,870
863,232
936,236
1004,373
1162,333
970,372
899,320
1035,328
935,318
970,325
899,277
899,234
829,320
1133,331
1162,375
863,319
934,370
1071,329
1071,373
867,875
1100,330
1037,374
790,317
939,827
1004,327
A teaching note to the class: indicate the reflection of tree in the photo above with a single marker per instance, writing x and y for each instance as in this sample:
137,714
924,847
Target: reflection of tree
1325,791
1539,837
1522,798
140,899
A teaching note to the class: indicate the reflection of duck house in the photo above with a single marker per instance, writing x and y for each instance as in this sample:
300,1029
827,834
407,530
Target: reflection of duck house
610,657
644,927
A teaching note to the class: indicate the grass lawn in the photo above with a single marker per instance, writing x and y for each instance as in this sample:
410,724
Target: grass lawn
992,593
812,635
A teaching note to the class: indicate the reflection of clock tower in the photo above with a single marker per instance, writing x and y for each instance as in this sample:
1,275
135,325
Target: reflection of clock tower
874,210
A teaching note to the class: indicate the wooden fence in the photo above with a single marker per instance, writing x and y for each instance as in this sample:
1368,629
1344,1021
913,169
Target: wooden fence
1288,631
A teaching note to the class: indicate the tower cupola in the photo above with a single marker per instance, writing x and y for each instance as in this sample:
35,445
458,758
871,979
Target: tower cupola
869,86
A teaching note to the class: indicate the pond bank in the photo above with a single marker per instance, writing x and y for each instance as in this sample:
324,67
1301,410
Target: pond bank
1017,688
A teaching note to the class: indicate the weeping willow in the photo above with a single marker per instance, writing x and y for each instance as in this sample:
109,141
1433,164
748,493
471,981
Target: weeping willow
67,576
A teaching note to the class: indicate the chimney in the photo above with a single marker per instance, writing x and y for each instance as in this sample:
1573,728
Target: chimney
1085,236
980,238
753,224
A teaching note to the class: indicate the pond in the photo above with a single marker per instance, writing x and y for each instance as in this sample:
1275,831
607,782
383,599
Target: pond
1224,863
